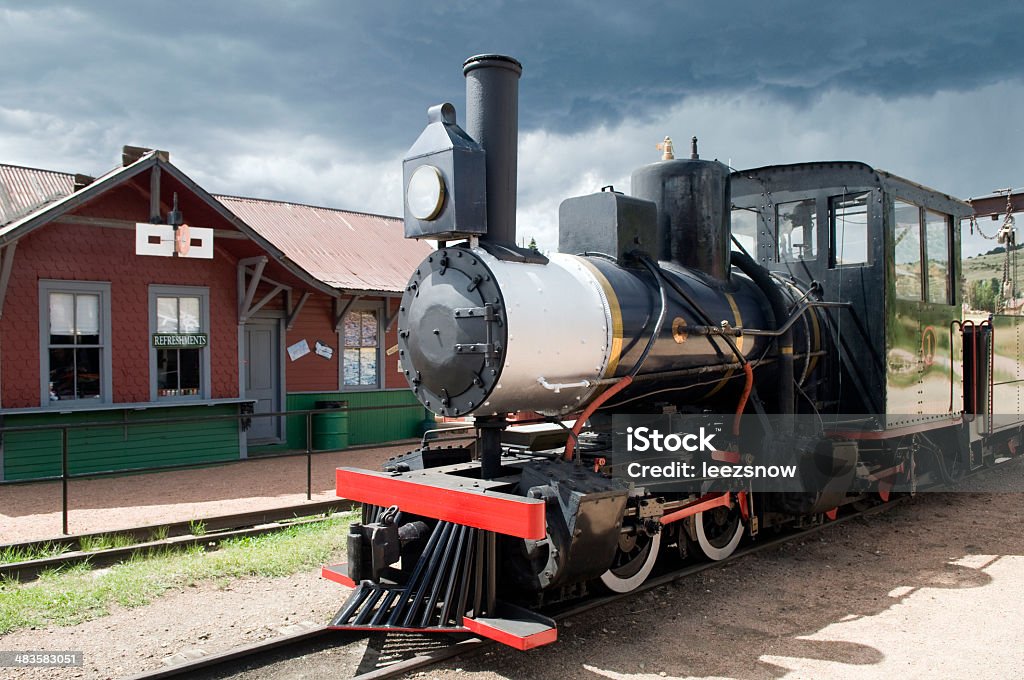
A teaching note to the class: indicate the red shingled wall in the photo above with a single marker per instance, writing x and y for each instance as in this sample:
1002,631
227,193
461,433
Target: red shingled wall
313,373
316,374
392,376
82,253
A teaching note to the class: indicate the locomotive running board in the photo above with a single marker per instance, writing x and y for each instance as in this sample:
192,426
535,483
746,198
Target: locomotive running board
448,497
451,589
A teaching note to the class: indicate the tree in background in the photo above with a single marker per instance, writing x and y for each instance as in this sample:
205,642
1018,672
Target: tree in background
984,295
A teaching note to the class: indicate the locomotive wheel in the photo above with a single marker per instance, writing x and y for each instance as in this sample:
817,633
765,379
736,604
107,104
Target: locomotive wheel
633,562
718,532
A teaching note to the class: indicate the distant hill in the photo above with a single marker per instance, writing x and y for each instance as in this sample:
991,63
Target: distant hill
999,250
990,266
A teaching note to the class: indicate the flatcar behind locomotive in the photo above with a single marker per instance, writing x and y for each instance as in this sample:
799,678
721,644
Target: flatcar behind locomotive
784,293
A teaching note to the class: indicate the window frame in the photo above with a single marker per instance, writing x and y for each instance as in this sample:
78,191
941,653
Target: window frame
947,221
922,281
378,308
811,240
755,213
102,289
203,293
831,201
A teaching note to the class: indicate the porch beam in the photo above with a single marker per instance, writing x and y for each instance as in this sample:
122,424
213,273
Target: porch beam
264,300
270,281
6,266
293,312
389,320
339,315
254,282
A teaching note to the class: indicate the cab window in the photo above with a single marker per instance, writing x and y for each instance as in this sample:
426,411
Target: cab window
908,250
744,229
936,229
797,230
848,225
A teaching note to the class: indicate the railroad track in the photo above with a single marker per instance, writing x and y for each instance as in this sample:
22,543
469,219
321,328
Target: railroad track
176,535
260,655
415,651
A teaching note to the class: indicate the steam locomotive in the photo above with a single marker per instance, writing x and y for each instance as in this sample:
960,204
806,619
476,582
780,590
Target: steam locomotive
770,298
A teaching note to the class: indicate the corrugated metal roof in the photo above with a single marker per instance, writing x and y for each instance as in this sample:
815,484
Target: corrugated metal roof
347,250
25,190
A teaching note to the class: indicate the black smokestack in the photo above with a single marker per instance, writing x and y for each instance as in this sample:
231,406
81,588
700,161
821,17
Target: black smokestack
492,119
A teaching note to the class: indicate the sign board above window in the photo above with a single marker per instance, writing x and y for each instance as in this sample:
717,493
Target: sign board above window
163,240
179,340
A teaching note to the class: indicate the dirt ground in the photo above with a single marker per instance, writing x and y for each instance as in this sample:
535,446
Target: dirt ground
931,589
31,512
928,589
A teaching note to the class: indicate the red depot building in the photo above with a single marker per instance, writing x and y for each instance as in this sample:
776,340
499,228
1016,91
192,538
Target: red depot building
274,307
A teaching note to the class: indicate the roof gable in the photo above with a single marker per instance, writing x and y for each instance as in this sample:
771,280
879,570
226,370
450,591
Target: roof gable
331,249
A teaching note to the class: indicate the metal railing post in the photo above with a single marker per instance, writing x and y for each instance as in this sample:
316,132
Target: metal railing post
309,456
64,479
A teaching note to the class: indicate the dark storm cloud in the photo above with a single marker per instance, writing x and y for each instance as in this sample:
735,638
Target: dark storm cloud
362,73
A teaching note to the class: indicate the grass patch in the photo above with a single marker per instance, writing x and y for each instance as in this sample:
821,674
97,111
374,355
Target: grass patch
197,527
12,554
77,594
105,542
159,534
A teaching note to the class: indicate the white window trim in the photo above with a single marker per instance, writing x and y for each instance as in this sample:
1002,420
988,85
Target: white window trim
203,294
101,288
377,307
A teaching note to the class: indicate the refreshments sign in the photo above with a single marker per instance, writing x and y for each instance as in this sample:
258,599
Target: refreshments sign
179,340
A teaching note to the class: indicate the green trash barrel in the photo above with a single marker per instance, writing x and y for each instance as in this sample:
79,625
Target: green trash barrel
330,429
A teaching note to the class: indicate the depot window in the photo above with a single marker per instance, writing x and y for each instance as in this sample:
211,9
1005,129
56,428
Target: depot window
74,331
362,343
179,343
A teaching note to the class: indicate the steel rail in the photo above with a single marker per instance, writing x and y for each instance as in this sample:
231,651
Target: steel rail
177,535
189,668
473,645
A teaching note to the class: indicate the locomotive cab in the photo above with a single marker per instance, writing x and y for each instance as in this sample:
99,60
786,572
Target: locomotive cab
862,235
885,252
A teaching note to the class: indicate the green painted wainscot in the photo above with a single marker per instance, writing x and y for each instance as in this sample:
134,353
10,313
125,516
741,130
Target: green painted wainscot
402,420
128,442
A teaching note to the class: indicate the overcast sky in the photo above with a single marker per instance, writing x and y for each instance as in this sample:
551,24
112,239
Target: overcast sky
316,101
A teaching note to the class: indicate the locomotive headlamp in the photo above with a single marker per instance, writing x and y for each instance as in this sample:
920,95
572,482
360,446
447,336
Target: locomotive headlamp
425,194
444,176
